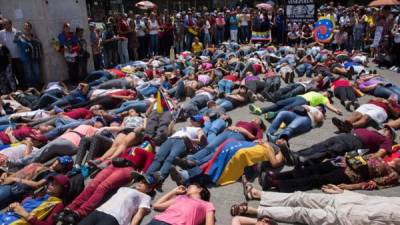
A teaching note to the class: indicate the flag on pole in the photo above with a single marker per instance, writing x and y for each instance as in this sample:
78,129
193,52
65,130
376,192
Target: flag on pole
323,30
162,104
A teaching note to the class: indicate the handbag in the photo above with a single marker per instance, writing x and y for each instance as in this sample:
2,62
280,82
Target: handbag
300,110
357,163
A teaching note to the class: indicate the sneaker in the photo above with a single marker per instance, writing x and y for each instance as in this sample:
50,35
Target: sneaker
71,218
290,159
270,115
176,176
356,105
343,126
184,163
347,105
255,109
268,96
158,181
260,97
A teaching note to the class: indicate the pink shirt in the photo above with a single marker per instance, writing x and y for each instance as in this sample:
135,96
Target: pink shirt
186,211
204,79
84,130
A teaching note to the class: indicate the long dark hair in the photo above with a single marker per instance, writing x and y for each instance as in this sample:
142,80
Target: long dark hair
205,194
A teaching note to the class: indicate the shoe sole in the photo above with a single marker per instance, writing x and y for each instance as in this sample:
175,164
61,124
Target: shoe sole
287,154
175,176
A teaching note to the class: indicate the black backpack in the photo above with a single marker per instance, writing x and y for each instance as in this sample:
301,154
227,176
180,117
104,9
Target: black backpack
77,184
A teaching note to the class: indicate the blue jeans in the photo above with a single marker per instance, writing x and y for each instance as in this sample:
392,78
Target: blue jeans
4,127
225,104
285,104
5,120
97,77
244,33
295,124
213,128
123,51
153,44
173,147
137,105
61,126
178,91
31,73
304,68
74,97
205,154
148,90
6,196
220,35
207,39
384,92
225,86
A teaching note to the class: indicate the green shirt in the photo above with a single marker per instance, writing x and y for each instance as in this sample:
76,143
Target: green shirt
315,98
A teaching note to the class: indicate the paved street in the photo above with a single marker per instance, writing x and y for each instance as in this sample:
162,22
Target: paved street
224,197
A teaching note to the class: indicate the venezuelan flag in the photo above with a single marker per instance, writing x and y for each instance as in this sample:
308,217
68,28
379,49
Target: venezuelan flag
39,207
162,104
261,36
231,158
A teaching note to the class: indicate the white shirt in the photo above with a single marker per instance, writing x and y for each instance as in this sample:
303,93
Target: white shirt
140,27
397,37
54,86
7,39
153,26
15,153
189,132
207,27
209,95
124,204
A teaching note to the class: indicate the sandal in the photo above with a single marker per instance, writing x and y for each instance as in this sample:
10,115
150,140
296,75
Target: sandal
239,209
248,190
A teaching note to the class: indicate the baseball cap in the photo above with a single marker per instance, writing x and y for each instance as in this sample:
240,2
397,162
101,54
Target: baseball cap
66,161
197,118
61,180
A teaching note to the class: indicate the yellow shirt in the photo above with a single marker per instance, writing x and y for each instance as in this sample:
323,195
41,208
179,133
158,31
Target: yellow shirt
196,48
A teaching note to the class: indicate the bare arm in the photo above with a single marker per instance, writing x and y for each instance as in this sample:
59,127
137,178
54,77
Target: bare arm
210,218
140,214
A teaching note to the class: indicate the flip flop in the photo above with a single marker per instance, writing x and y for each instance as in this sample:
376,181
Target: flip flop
236,209
247,190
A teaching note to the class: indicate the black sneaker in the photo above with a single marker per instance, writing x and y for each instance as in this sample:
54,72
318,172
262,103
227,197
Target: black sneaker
158,181
71,218
347,105
184,163
176,176
290,158
356,105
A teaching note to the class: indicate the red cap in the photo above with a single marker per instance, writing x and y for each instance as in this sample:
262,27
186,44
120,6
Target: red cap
61,180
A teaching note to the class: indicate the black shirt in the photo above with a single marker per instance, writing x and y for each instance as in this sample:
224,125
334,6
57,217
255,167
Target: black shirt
4,58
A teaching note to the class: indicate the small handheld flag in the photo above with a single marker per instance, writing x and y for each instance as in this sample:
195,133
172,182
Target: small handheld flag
162,104
323,30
